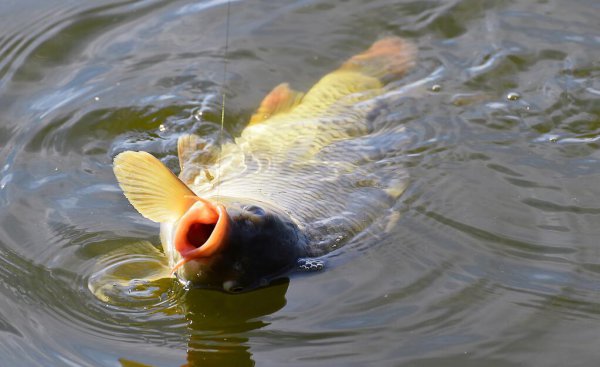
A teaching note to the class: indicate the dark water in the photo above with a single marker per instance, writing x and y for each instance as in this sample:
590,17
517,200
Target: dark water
494,261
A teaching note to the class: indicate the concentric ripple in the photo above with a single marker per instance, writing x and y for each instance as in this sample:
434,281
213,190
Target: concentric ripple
489,257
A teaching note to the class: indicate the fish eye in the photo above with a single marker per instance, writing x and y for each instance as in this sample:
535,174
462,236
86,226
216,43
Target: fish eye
256,210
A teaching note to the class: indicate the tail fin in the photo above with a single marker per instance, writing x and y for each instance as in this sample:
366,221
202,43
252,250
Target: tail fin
386,59
368,72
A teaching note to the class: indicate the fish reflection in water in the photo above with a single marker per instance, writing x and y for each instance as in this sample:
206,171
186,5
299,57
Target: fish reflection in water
310,172
217,321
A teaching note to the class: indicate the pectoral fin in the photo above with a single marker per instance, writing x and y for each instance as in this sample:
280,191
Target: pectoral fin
280,100
151,187
186,146
195,155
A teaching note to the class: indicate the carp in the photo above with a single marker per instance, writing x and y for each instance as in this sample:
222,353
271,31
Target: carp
307,174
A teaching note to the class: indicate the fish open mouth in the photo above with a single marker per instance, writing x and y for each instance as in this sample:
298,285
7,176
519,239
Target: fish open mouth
201,231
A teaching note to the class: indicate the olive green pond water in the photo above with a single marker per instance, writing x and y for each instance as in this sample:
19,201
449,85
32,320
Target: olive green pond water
493,254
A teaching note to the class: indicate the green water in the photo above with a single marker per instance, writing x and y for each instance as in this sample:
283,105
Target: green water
494,260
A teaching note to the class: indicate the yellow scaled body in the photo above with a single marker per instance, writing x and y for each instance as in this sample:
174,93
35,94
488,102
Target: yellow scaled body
315,160
277,159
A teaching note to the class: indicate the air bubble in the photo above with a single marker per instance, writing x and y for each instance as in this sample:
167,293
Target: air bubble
513,96
197,115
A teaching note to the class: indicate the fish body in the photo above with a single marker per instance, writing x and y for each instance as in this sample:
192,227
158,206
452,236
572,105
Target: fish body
296,183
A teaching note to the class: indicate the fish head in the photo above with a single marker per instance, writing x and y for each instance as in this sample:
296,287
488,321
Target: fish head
233,245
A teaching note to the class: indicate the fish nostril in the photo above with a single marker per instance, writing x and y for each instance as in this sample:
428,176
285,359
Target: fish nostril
232,286
256,210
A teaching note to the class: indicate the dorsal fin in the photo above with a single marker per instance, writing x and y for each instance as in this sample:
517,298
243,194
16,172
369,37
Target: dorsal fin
151,187
280,100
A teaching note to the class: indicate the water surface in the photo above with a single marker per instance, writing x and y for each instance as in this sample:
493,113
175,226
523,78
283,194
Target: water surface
494,259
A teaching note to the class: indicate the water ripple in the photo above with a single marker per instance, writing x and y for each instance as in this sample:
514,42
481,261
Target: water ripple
489,256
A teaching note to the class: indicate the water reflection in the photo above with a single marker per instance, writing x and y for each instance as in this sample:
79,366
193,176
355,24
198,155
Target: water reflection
493,259
218,324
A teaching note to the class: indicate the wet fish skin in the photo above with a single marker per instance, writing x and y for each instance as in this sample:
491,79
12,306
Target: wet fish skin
242,218
262,244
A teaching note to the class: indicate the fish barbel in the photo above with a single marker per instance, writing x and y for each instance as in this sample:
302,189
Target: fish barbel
295,184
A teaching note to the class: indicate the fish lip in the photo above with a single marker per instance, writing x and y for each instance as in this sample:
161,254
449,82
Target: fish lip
202,212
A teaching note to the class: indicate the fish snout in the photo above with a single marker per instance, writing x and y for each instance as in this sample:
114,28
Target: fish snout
201,231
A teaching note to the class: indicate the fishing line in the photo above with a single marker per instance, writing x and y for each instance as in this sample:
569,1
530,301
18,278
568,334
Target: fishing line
223,94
